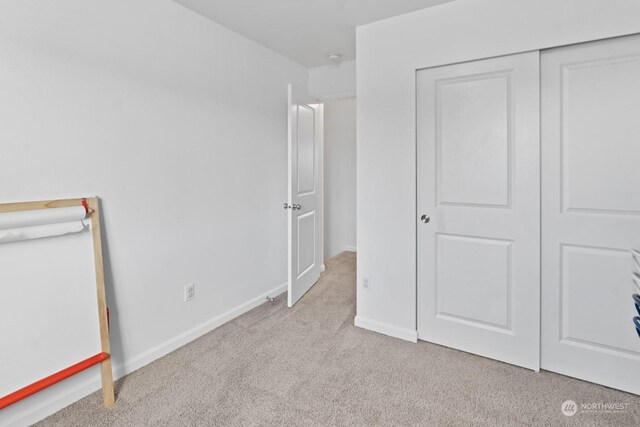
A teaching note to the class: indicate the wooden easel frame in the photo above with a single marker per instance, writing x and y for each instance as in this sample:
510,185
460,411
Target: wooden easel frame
104,358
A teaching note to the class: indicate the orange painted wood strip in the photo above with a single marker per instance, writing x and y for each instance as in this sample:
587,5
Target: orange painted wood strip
27,391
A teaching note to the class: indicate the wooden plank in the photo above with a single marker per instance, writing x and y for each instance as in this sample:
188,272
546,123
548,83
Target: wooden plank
108,394
45,204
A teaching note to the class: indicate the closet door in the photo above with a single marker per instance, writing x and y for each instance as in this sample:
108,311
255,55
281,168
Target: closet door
591,210
478,218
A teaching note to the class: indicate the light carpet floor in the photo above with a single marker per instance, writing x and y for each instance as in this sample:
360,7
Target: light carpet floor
309,366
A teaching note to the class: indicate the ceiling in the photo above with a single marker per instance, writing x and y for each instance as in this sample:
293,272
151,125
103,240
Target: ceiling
303,30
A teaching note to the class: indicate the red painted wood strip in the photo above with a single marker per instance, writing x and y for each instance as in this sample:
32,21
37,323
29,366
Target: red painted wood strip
27,391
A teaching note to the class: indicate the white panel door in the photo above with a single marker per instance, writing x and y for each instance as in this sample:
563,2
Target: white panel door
478,188
591,210
304,206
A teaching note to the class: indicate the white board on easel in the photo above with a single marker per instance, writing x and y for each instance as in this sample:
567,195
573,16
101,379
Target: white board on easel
50,269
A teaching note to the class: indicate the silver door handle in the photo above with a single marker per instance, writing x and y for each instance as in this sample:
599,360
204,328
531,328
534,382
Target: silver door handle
425,219
294,207
287,205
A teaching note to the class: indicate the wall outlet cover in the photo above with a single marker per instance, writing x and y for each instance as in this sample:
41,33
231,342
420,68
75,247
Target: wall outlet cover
189,292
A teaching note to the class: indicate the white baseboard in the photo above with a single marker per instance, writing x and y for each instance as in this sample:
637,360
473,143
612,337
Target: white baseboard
386,329
52,406
350,249
190,335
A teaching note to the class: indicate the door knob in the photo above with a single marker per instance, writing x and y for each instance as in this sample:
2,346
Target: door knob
287,205
425,219
296,206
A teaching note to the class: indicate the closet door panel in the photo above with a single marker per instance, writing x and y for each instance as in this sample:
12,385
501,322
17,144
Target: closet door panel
478,192
591,210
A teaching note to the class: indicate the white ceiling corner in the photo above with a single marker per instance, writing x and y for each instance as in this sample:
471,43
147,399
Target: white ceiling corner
303,30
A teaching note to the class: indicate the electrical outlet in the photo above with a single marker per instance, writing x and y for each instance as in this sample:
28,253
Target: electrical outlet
189,292
366,284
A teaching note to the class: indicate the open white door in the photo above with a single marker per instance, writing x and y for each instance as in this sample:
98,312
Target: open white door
479,207
304,205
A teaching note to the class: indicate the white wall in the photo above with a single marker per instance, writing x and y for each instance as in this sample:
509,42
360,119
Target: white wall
389,52
334,81
179,125
339,176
